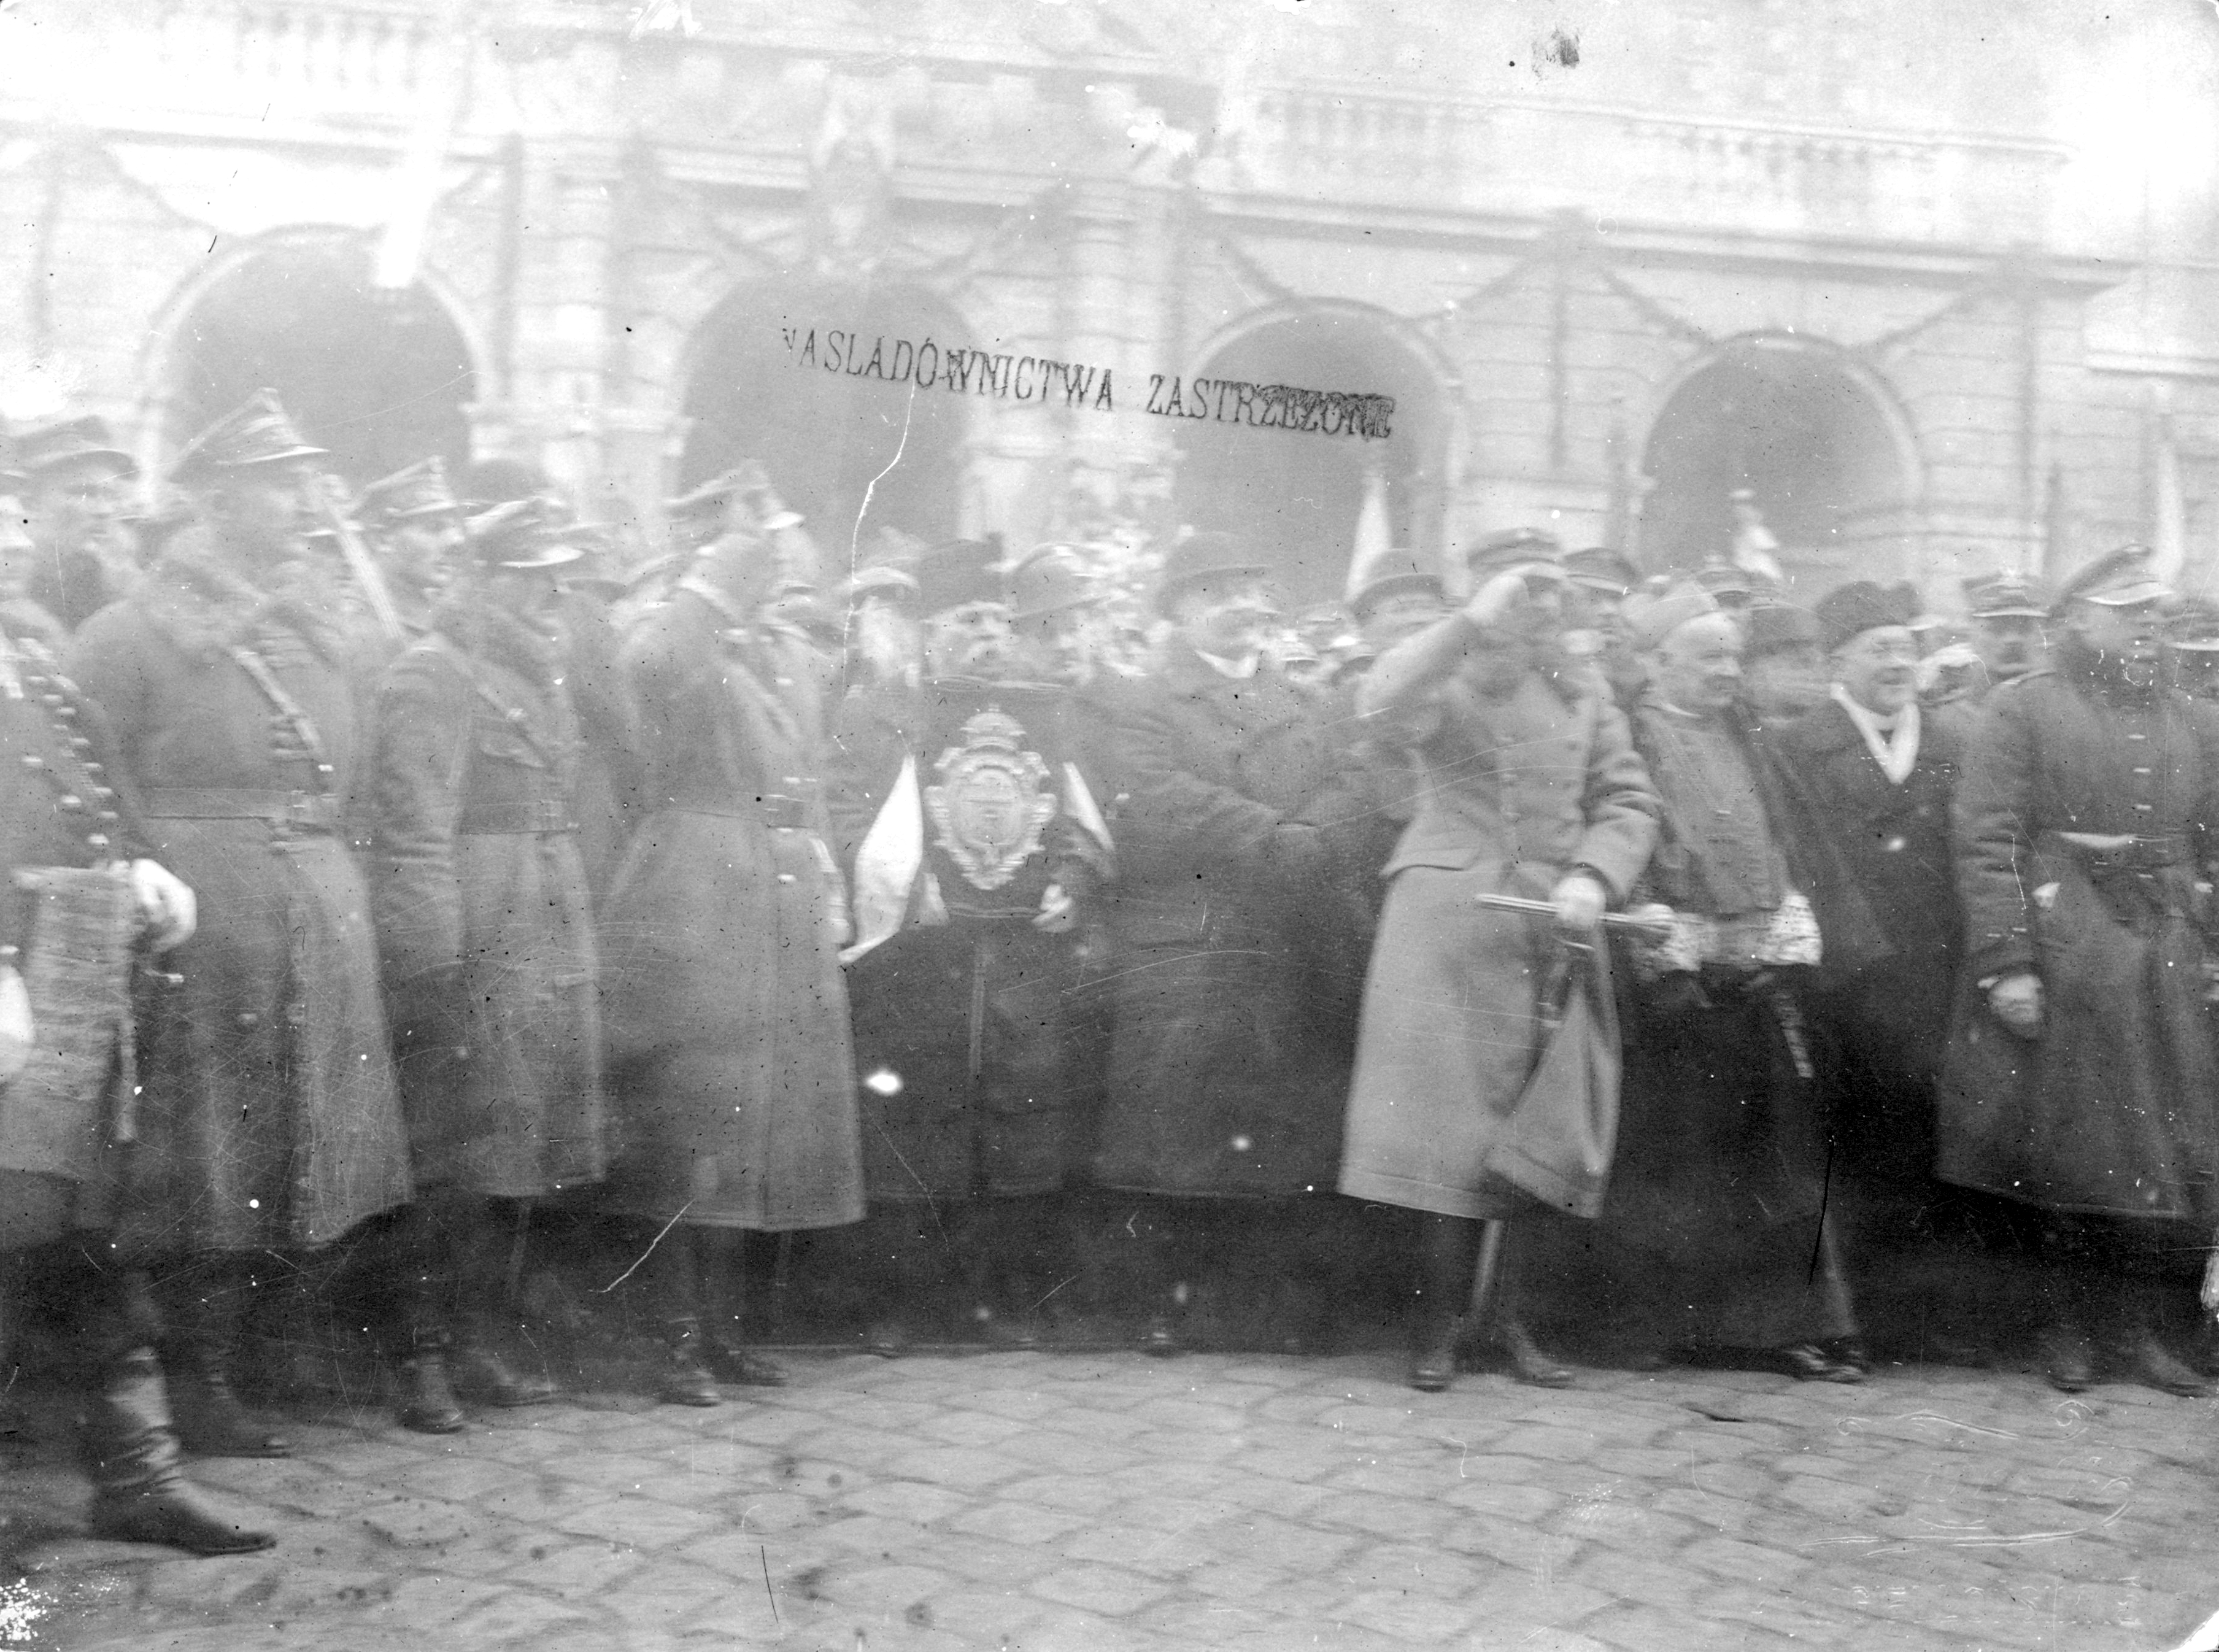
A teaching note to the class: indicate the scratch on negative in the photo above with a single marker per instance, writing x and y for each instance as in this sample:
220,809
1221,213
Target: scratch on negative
649,1251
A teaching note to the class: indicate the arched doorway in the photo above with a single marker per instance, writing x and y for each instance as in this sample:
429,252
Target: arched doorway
851,452
1294,495
380,379
1826,457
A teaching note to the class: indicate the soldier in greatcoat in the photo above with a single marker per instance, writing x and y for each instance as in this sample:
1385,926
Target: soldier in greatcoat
1527,784
981,857
730,1070
1225,1090
75,498
2081,1079
485,929
415,522
80,904
269,1123
2010,613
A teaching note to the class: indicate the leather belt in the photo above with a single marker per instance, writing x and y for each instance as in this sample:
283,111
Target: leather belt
299,811
774,809
2122,851
518,817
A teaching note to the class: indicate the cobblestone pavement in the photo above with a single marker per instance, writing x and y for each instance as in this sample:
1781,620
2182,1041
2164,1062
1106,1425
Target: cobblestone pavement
1026,1502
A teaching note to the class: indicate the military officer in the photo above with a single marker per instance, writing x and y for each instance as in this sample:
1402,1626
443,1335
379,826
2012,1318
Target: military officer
485,936
75,493
81,899
269,1122
417,523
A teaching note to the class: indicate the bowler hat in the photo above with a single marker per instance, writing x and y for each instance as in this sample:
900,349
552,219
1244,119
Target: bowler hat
416,490
51,444
258,432
1849,610
958,572
1394,573
2118,579
1208,554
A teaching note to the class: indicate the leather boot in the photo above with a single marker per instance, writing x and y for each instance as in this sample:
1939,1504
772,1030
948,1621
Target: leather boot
1524,1357
131,1452
2155,1366
2067,1361
211,1422
1433,1347
730,1360
482,1376
428,1404
685,1380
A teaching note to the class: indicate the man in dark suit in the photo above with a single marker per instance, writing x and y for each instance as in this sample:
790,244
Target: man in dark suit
1878,774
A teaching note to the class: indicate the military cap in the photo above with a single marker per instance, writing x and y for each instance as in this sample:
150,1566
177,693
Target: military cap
1725,579
2194,627
520,533
48,444
1601,568
2000,596
1652,618
1776,625
1209,555
419,489
1047,580
889,584
2117,579
1394,573
494,482
1512,547
258,432
958,572
1849,610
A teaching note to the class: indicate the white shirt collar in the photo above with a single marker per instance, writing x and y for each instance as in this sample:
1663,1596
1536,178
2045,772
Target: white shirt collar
1892,740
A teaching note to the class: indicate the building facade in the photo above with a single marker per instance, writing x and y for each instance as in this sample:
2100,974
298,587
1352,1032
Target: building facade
1929,282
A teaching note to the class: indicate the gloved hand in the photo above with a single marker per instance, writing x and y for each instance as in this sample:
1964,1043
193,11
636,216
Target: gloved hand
1058,913
166,902
15,1029
2017,1001
1580,900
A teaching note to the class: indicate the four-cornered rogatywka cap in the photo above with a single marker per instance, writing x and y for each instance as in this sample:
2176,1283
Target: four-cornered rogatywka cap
416,490
256,432
2118,579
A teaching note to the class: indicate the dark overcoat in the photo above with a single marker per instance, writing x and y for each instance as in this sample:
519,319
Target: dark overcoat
730,1070
968,1020
59,1156
484,924
269,1118
2115,1107
1515,787
1224,1080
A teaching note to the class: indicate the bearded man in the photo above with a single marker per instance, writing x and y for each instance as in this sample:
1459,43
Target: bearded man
269,1123
2081,1079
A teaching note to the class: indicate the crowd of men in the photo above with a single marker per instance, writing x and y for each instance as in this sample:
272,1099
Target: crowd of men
392,864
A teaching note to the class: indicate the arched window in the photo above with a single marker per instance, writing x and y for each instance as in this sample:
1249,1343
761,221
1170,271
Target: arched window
380,379
772,382
1819,448
1294,495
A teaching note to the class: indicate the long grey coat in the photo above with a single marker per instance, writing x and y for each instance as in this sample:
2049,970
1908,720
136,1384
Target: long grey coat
1515,788
270,1118
2115,1108
730,1064
483,921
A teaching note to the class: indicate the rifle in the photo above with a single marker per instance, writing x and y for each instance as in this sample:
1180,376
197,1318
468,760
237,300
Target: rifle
356,554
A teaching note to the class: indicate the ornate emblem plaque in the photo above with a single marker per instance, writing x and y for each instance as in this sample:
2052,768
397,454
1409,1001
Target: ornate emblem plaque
993,800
